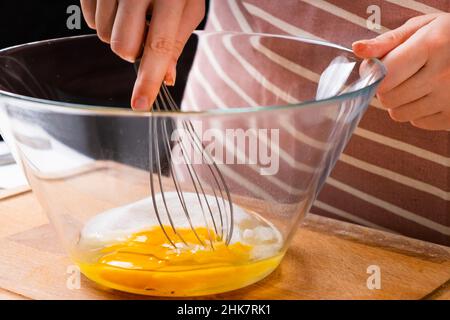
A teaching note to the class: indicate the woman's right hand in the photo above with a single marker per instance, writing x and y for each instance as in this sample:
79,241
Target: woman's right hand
123,24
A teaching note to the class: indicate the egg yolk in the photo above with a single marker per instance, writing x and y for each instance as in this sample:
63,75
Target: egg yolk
199,264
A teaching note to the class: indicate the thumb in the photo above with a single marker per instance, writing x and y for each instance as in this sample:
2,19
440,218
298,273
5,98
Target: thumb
383,44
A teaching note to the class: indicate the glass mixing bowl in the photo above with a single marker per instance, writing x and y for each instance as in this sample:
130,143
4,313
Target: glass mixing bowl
264,118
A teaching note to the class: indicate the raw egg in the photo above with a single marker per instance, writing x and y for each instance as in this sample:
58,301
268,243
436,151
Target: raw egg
126,249
147,263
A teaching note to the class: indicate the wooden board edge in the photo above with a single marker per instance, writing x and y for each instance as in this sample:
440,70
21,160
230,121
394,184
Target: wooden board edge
4,194
10,295
372,237
439,292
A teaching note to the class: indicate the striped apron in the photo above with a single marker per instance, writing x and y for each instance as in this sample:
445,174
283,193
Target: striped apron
391,176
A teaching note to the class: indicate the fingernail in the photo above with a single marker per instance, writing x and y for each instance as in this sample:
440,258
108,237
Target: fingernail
169,81
363,44
358,46
141,104
366,42
130,59
171,77
127,57
363,49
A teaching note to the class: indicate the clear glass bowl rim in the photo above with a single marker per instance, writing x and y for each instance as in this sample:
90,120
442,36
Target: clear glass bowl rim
73,108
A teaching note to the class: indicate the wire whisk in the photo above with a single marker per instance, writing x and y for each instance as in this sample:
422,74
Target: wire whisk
205,182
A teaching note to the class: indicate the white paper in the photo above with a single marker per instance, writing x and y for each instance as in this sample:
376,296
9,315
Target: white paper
11,175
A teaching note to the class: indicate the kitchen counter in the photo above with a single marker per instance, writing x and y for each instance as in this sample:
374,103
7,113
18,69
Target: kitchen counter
328,259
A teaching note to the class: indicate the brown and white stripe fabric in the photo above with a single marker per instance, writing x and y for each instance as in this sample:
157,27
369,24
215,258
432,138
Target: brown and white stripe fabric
391,176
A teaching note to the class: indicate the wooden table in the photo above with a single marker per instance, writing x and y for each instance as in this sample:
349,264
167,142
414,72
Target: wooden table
328,259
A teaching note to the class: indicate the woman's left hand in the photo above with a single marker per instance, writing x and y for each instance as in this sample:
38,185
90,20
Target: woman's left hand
417,57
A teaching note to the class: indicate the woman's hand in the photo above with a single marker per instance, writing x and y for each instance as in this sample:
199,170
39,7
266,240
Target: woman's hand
417,56
122,23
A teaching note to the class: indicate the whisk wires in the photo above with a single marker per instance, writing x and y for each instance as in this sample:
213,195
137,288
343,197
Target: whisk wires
219,222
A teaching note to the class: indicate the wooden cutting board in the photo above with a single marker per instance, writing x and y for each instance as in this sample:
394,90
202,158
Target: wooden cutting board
328,259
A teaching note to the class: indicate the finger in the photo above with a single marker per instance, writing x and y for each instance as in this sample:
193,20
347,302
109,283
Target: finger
440,121
104,18
416,87
158,51
193,14
129,29
415,110
381,45
404,61
89,8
